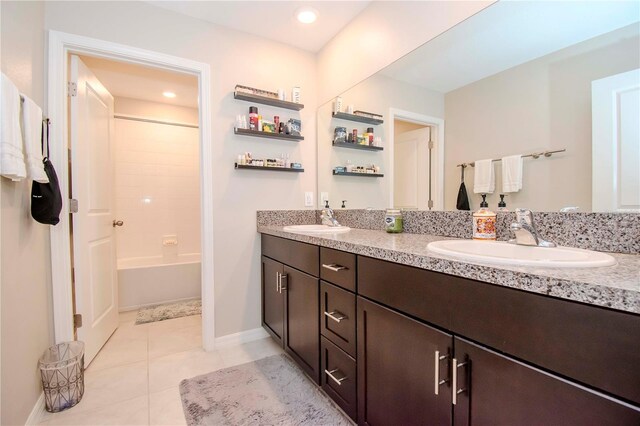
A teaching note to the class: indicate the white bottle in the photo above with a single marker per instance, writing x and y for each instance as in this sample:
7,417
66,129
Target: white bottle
295,94
338,105
287,162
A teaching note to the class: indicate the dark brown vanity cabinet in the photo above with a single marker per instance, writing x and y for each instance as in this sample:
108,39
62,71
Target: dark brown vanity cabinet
290,300
399,380
393,344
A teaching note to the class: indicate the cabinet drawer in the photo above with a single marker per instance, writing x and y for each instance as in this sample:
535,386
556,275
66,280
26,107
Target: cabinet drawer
301,256
338,267
339,377
422,294
338,317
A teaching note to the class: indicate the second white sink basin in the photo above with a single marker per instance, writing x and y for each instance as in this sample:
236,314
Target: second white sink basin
504,253
317,229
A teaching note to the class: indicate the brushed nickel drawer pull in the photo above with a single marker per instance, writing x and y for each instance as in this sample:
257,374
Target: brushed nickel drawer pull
454,381
330,374
334,267
437,382
283,277
337,316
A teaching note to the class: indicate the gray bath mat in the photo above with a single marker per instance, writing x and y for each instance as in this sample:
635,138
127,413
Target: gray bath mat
169,311
270,391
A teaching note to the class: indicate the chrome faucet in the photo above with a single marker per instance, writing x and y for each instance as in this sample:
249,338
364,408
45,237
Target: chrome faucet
526,232
328,217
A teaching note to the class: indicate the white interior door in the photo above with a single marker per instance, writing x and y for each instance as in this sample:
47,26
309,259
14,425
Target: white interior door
616,143
411,169
94,248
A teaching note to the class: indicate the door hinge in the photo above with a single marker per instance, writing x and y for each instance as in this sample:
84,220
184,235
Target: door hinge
73,205
72,88
77,320
431,144
430,204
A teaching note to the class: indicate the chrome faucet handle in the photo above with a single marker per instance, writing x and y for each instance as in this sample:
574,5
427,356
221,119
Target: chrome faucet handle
524,216
525,230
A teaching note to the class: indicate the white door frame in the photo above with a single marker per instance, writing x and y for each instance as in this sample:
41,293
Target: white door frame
426,120
60,45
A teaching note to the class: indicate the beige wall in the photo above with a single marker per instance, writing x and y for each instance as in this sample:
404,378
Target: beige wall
384,32
377,94
542,105
26,282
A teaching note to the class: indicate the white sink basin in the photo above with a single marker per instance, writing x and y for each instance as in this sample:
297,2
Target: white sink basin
504,253
317,229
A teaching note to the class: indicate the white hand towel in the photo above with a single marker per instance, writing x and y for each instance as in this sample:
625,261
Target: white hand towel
11,155
484,179
512,173
31,132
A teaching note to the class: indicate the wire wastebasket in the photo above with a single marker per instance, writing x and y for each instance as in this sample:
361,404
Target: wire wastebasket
62,371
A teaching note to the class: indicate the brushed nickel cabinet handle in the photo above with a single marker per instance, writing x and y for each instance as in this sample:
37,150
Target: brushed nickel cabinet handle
334,267
334,378
337,316
278,283
283,277
437,382
454,381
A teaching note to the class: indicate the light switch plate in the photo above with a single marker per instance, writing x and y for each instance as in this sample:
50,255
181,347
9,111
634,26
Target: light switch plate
308,199
169,240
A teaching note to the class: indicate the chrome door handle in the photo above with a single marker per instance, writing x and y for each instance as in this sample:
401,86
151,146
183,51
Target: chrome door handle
117,223
337,316
454,381
437,382
283,277
334,378
333,267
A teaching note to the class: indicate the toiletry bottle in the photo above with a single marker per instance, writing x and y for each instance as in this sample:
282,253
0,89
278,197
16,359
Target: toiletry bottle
253,118
260,123
484,222
502,206
295,94
338,105
370,134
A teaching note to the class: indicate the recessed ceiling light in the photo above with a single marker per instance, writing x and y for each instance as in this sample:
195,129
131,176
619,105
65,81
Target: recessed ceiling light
306,15
168,94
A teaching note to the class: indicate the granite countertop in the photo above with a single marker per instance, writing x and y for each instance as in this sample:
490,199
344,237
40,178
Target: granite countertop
616,287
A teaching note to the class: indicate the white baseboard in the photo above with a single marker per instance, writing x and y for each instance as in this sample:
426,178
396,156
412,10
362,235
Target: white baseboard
242,337
38,412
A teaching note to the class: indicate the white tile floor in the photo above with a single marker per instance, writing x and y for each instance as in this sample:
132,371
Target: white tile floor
134,379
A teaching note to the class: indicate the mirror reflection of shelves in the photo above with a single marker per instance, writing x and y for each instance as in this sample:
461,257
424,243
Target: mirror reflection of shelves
270,168
359,174
269,135
357,146
369,118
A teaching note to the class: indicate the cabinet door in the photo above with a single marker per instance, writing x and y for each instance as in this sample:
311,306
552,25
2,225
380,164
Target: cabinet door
302,331
397,369
497,390
272,299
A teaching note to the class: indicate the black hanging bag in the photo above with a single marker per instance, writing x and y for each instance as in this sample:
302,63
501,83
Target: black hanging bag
46,200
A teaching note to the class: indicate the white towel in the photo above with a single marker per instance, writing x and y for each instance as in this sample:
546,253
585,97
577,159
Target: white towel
31,133
484,179
512,173
11,155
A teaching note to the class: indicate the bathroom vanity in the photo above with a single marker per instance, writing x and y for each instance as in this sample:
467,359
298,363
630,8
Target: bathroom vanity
395,334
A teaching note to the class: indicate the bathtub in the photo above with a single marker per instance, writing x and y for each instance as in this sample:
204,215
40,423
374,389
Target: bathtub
145,281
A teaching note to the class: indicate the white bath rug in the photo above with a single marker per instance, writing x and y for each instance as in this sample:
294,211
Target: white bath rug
270,391
169,311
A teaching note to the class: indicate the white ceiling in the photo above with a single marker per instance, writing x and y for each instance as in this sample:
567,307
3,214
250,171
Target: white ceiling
140,82
274,20
507,34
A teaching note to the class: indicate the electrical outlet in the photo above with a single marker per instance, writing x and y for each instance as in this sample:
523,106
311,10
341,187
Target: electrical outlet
308,199
324,196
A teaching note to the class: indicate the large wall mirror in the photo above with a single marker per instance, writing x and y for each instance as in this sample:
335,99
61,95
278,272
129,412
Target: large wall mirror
555,82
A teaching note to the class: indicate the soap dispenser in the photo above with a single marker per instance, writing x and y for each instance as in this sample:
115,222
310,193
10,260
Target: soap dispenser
484,222
502,206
